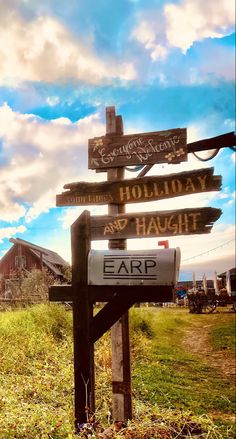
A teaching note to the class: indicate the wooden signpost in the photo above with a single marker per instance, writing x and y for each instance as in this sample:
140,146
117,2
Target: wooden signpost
111,153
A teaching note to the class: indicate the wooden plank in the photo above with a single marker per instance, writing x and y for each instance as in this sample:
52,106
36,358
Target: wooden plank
222,141
112,150
60,293
109,314
105,293
154,224
137,190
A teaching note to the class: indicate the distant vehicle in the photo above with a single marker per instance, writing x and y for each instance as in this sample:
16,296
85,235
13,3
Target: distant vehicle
199,301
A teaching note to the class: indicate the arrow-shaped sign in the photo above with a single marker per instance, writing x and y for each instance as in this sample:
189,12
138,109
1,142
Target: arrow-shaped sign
140,189
154,224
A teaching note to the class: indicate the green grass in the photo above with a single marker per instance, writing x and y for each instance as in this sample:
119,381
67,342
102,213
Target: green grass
182,380
223,337
174,390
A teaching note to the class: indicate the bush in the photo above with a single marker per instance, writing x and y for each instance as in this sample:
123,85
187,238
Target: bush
142,321
36,283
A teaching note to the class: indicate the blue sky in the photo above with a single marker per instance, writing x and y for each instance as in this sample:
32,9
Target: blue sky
162,64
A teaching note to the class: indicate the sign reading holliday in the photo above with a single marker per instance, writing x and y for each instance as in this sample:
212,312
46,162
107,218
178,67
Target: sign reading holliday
169,146
137,267
138,190
154,224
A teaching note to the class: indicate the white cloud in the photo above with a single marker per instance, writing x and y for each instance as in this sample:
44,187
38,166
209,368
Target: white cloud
44,50
232,200
53,100
7,232
177,26
10,210
39,158
195,20
146,34
43,204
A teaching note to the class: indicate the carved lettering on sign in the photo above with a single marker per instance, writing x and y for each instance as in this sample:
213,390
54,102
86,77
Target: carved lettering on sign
174,224
163,189
154,224
168,146
137,190
139,148
115,226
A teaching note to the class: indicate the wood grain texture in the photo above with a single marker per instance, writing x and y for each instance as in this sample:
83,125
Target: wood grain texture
139,190
112,150
154,224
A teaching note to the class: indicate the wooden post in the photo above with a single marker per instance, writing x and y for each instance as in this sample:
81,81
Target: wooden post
121,375
82,315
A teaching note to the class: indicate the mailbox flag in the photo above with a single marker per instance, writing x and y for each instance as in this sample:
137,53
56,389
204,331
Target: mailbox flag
164,243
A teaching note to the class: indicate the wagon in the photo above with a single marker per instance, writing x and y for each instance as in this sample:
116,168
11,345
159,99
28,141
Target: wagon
199,301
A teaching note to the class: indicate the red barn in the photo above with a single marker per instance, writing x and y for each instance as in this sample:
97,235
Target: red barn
24,256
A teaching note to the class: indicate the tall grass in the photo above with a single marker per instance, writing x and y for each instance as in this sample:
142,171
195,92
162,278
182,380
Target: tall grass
175,394
36,369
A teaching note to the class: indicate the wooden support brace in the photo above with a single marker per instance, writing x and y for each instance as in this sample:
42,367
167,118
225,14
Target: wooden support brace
109,314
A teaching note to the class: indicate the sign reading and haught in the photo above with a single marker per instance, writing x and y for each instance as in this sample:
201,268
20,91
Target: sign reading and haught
137,267
154,224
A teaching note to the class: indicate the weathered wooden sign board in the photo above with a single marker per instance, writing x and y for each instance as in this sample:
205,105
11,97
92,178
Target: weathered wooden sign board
137,267
154,224
137,190
108,151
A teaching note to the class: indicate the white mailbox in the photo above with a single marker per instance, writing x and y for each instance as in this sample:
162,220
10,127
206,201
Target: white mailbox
137,267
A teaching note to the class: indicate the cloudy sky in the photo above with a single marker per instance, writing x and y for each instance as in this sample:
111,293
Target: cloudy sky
162,63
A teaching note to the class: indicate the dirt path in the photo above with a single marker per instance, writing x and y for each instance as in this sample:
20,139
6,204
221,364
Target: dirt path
196,340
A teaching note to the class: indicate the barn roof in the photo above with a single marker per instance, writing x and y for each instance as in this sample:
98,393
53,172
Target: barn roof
232,272
50,258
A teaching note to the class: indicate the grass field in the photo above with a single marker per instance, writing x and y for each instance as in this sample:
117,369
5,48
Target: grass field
182,374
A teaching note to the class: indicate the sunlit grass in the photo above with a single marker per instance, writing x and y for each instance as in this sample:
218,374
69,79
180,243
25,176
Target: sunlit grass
171,386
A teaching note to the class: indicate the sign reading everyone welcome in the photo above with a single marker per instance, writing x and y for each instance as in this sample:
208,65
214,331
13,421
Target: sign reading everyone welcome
169,146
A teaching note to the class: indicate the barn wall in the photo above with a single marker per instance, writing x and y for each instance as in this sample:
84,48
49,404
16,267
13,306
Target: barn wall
8,265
